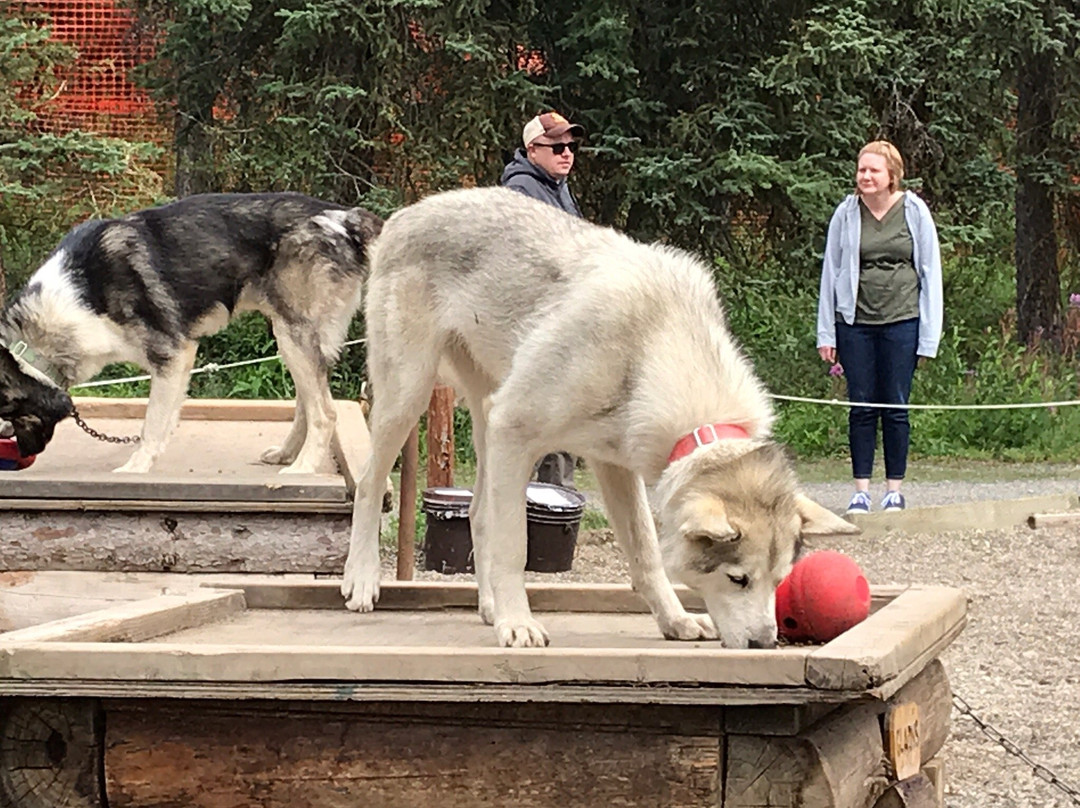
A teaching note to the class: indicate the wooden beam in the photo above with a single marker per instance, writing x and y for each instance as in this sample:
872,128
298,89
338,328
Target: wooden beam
196,409
440,438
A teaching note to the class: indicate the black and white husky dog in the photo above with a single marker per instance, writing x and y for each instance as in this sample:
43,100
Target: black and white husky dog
145,287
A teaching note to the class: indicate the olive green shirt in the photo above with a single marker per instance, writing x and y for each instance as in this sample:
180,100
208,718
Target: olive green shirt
888,281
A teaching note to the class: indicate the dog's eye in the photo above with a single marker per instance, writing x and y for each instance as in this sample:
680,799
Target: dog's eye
742,581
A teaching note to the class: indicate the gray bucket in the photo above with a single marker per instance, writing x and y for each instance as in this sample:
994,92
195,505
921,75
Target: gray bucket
553,516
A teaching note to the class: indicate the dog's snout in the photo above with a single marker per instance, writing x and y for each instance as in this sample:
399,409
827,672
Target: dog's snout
753,644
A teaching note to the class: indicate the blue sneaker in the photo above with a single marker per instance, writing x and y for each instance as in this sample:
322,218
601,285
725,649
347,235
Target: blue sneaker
893,501
860,503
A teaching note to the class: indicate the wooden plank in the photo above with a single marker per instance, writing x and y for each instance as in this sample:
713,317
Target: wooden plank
166,756
32,598
1068,518
427,692
133,622
282,506
903,739
351,443
187,662
887,642
196,409
543,596
252,487
427,595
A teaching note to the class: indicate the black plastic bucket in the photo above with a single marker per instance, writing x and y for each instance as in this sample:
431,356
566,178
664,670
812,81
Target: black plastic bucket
447,540
553,515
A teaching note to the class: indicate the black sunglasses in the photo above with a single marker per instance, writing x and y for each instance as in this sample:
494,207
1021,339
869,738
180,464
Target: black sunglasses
559,148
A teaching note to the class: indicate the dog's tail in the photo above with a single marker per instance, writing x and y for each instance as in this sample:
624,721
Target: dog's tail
357,226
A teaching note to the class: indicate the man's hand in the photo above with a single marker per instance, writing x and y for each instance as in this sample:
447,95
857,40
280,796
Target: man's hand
827,353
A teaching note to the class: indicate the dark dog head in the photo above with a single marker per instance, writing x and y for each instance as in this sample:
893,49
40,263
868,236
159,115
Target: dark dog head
32,403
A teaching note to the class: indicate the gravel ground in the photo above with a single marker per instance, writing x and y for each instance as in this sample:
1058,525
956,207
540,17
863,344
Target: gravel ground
1018,661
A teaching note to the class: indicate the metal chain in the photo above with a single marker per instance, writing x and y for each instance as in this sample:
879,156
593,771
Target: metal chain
1040,771
93,433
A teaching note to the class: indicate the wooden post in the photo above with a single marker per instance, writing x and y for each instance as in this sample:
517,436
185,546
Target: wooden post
440,438
406,535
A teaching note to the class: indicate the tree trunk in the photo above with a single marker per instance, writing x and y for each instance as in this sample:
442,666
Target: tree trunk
3,281
1038,286
193,153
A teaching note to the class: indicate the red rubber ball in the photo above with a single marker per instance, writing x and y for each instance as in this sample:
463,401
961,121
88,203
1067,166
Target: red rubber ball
824,595
10,459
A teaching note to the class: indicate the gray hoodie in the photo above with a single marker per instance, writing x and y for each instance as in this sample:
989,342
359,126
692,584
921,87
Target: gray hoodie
531,180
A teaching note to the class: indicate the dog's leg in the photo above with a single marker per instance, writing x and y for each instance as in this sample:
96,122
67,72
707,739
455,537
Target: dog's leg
168,389
300,351
501,516
628,508
479,540
286,453
395,410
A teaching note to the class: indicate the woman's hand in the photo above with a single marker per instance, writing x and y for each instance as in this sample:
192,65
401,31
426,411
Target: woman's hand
827,353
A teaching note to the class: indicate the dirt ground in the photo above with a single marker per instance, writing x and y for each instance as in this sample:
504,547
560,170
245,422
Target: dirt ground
1017,663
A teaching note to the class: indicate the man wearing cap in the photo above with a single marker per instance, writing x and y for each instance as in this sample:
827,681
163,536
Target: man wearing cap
540,168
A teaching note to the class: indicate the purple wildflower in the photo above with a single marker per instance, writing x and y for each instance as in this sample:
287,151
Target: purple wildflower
1074,300
836,370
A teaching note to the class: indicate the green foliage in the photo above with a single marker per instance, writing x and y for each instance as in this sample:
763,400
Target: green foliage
50,180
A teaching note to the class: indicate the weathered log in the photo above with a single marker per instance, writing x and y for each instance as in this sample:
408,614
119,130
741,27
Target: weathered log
50,753
914,792
839,762
197,756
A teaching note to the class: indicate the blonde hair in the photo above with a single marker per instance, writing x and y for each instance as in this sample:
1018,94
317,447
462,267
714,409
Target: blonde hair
893,161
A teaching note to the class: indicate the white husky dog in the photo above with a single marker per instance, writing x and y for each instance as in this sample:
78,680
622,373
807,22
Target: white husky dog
560,334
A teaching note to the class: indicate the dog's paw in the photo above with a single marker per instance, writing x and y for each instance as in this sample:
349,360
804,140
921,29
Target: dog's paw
689,626
300,468
487,608
521,633
277,456
360,588
138,463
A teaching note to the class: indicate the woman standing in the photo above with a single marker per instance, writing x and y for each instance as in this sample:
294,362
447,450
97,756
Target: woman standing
879,311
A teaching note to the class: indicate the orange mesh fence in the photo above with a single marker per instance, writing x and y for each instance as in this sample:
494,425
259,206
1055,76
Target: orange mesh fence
96,93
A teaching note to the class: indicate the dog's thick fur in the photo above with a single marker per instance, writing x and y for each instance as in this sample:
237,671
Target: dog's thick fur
563,335
143,288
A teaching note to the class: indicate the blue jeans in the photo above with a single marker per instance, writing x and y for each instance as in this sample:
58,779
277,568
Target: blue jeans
879,363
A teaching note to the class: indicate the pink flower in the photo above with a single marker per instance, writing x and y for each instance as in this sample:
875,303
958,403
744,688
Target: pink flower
838,369
1074,300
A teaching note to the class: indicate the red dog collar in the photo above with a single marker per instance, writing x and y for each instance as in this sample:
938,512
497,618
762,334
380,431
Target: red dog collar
710,433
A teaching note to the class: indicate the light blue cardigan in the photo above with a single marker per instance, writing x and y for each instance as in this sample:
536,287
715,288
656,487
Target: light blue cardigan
840,271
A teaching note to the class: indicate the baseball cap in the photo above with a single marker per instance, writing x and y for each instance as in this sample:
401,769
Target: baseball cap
551,124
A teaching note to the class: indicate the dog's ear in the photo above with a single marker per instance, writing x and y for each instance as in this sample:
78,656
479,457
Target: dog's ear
705,519
819,521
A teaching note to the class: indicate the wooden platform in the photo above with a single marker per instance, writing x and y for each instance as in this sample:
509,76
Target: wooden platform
251,638
208,505
259,691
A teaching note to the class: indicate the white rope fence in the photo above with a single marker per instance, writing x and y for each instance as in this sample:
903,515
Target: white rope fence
213,367
210,367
